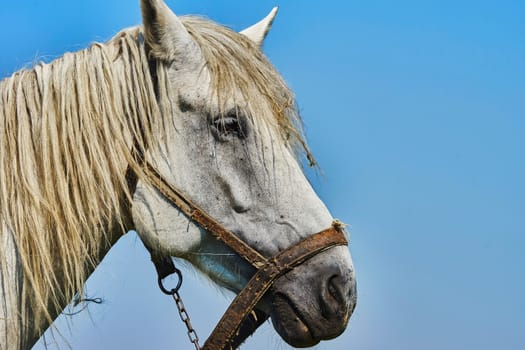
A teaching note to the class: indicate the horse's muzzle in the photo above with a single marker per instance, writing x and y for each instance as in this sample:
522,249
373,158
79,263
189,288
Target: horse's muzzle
314,302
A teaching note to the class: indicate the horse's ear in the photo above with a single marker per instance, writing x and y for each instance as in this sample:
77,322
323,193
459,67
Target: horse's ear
165,35
258,31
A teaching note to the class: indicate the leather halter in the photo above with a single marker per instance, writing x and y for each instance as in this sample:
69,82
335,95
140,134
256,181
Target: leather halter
240,319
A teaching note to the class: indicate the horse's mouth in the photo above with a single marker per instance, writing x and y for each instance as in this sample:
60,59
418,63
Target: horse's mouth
290,323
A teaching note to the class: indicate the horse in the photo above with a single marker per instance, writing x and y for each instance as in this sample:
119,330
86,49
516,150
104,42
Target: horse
201,107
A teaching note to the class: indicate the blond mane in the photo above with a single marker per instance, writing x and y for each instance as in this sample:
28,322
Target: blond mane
69,130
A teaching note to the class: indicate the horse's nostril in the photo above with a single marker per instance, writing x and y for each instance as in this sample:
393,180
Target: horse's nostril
337,299
336,288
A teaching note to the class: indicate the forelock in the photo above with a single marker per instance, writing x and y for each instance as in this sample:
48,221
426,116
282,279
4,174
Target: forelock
236,64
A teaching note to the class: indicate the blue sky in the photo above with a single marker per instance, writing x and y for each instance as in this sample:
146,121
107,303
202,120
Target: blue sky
416,113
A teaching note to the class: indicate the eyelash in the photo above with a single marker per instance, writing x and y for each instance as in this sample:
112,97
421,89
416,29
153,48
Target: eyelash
231,124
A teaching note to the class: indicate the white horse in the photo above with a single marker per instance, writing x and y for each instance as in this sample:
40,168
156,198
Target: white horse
202,105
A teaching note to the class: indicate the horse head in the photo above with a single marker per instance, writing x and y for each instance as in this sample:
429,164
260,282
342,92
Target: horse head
231,144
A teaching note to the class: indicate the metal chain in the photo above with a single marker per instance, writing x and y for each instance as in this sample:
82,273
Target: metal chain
183,313
192,334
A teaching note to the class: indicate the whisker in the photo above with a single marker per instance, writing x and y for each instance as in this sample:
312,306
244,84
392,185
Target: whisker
212,254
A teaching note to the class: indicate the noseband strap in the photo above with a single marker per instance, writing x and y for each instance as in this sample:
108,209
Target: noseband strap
263,279
229,331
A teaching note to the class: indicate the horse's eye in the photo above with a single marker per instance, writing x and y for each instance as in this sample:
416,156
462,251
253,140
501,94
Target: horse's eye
232,124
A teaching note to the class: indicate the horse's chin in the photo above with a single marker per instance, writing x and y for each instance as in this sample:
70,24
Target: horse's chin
290,323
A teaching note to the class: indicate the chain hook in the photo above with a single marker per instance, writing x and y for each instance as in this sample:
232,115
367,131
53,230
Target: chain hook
172,291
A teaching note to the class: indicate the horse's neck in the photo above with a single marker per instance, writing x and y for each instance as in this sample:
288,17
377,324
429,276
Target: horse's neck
14,330
17,331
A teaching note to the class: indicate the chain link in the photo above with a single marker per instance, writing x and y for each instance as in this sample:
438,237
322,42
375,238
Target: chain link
192,334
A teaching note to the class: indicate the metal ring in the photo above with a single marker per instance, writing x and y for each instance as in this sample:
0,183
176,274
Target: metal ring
173,290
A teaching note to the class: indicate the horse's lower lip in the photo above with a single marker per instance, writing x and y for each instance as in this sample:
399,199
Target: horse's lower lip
290,324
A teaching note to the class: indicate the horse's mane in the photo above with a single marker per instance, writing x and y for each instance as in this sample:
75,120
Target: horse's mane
69,130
